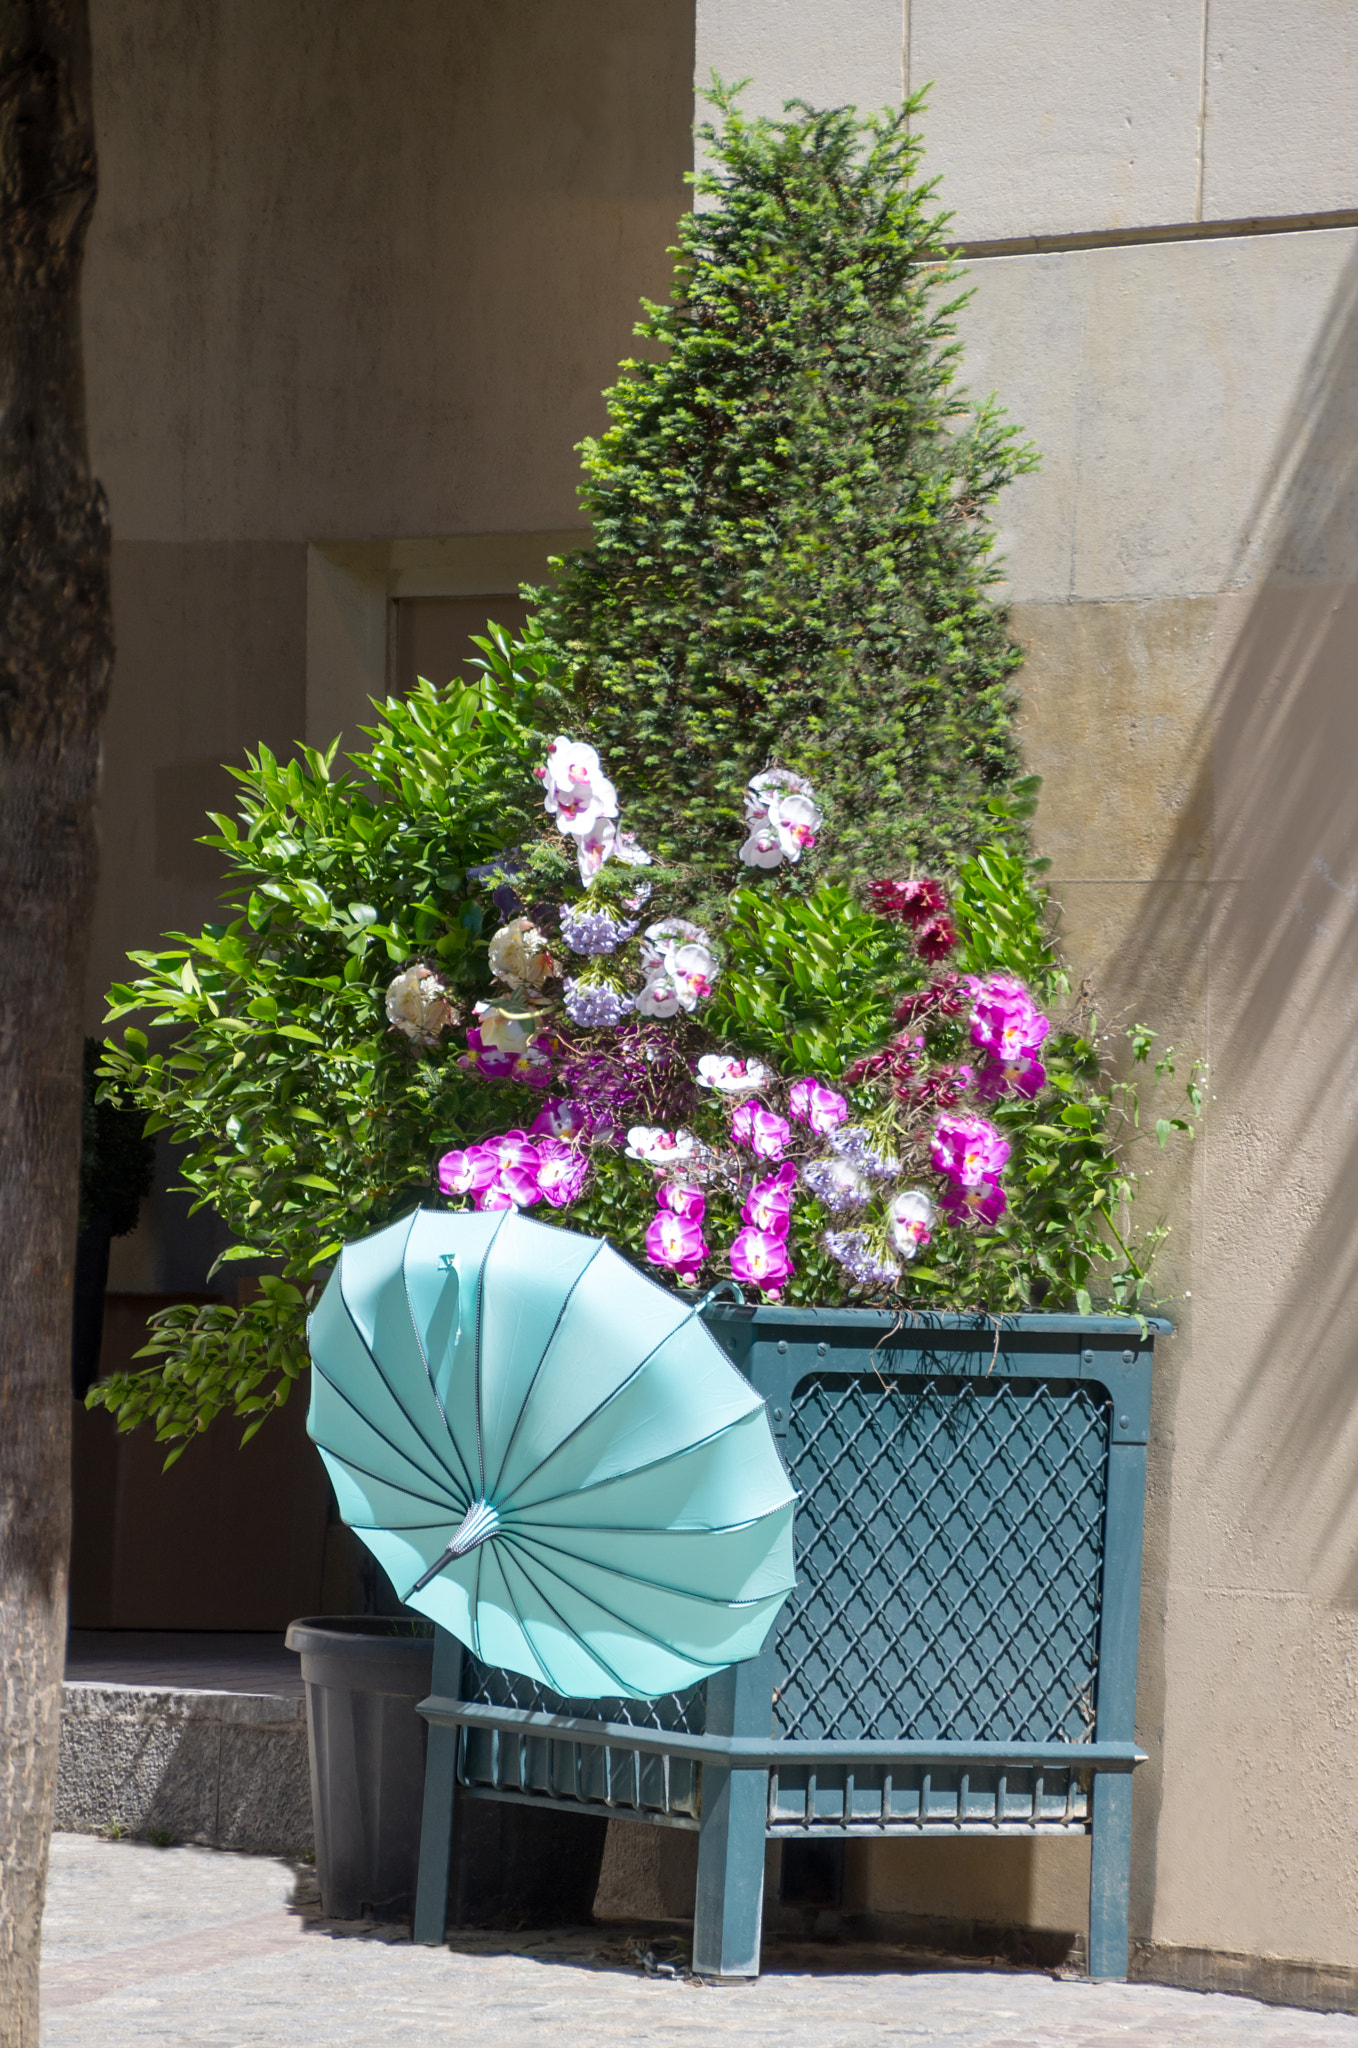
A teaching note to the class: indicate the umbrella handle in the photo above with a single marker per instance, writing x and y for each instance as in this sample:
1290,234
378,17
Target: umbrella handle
713,1292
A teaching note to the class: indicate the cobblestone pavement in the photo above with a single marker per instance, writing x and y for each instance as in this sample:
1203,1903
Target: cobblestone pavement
187,1946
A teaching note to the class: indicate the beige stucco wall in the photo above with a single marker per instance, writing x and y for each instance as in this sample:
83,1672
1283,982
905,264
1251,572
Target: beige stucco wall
358,273
1182,570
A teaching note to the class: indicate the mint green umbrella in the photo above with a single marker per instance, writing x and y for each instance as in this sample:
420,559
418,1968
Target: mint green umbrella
549,1454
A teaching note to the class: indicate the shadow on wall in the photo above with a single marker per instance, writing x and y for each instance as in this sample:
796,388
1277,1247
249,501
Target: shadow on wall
1277,1228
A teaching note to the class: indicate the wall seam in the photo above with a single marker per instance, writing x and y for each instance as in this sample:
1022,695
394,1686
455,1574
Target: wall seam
1202,114
1177,231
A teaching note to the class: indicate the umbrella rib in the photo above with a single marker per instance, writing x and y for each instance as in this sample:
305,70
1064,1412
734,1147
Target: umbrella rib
570,1629
542,1359
352,1465
599,1406
414,1463
480,1319
632,1471
424,1359
380,1370
632,1627
523,1627
656,1585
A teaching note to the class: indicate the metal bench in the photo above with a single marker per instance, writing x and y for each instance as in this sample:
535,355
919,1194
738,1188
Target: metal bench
959,1657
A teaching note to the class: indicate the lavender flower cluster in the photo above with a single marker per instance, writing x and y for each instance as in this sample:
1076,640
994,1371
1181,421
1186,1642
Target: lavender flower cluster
853,1249
855,1144
593,931
594,1005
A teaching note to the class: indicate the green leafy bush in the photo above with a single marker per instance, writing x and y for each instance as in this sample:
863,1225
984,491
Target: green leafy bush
791,559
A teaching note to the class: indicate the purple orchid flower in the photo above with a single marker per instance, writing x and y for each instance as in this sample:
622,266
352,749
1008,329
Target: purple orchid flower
559,1118
768,1206
467,1172
766,1134
682,1200
985,1203
761,1260
968,1150
561,1172
1005,1020
486,1060
676,1241
811,1102
1025,1076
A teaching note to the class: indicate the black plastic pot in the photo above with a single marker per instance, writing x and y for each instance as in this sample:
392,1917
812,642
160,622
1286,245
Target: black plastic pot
513,1865
364,1674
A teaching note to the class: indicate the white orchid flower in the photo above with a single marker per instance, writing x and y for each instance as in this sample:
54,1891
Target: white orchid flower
691,969
594,847
912,1217
658,940
575,789
730,1076
659,1148
796,819
762,849
659,998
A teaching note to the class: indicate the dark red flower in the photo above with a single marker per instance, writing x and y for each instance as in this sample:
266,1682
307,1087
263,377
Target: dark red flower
944,994
935,939
910,902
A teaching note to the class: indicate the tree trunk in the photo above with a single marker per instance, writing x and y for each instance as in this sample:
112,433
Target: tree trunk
55,652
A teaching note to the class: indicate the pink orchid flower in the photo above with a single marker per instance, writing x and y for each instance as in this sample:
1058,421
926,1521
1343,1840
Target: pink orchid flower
676,1241
984,1204
768,1206
811,1102
766,1134
467,1172
561,1172
761,1260
968,1150
682,1200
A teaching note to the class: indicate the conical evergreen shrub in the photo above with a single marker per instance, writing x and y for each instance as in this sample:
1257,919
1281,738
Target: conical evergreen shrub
791,560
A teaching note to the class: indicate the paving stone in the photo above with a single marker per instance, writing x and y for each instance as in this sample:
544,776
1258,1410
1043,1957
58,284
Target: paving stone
194,1946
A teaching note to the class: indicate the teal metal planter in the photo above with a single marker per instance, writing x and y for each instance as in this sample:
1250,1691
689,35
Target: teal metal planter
959,1656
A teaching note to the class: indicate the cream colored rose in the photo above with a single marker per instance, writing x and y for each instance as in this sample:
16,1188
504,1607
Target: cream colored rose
519,955
417,1004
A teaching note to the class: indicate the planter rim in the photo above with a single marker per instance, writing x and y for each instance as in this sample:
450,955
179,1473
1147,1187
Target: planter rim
359,1639
924,1322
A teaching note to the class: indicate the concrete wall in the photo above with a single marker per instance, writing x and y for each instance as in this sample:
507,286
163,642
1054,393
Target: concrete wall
1163,208
357,274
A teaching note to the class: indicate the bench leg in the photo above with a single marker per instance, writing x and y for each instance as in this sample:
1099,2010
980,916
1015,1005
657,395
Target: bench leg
729,1908
440,1795
1110,1874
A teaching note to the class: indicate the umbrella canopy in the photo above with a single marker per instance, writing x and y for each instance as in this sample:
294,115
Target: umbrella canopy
549,1454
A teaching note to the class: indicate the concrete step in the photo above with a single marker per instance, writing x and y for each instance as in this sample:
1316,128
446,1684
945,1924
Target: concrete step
185,1737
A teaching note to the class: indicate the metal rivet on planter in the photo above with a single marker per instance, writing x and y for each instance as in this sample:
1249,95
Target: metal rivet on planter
777,1414
821,1350
1122,1422
782,1343
1129,1358
1088,1357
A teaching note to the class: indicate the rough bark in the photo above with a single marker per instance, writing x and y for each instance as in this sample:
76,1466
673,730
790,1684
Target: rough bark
55,651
